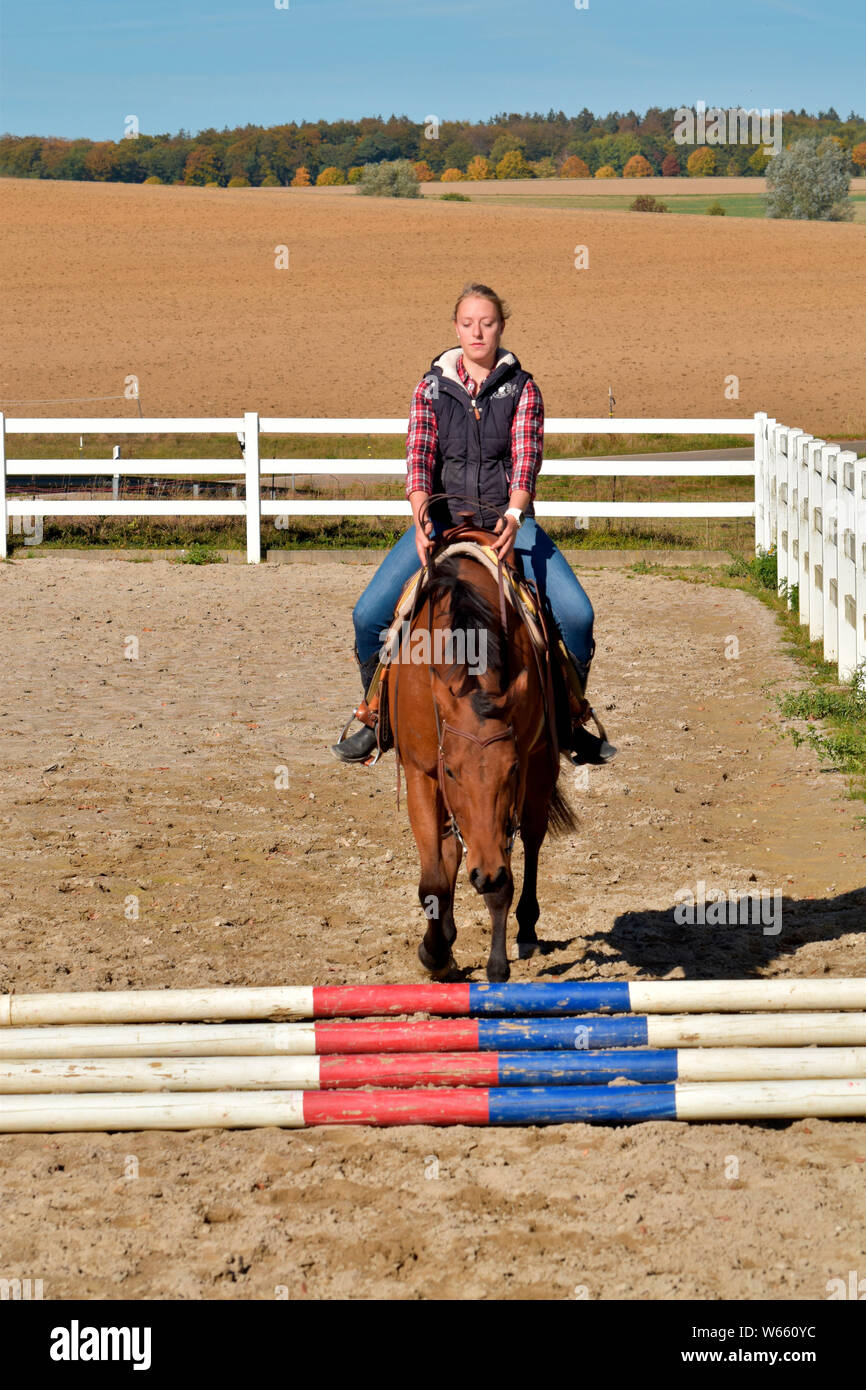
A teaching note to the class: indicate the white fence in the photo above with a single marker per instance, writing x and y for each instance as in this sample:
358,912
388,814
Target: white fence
253,506
810,503
810,496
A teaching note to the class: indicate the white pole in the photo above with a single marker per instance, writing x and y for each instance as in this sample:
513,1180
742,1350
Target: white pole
92,1074
757,1030
160,1040
253,487
706,996
770,1063
156,1005
770,1100
214,1109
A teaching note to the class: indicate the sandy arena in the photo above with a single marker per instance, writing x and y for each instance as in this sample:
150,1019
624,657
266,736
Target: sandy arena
153,780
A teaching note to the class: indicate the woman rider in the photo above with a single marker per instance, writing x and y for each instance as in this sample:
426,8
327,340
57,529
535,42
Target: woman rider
476,428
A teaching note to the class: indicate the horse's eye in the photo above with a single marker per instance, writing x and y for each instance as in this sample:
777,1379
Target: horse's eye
515,768
449,773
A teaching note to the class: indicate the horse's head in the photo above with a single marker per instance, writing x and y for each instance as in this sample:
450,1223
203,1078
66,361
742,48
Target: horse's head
481,774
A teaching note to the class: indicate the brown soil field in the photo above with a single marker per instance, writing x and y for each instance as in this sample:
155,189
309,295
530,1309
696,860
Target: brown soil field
155,778
178,286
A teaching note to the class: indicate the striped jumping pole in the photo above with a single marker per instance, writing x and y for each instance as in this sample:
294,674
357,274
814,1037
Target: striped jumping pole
305,1002
445,1035
492,1069
709,1100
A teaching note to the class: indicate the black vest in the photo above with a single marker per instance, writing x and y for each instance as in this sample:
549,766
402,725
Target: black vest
473,445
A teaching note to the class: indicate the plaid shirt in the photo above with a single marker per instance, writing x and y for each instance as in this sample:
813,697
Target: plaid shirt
527,437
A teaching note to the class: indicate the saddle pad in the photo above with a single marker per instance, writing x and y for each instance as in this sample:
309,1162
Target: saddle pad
516,591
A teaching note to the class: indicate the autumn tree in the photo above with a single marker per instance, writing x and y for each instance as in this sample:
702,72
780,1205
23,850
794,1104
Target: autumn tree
302,178
701,162
202,165
513,165
574,168
637,168
479,168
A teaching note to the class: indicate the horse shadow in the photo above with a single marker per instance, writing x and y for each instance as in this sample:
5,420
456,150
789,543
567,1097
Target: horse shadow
654,942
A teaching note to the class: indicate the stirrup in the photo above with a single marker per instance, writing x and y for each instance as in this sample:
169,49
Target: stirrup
364,762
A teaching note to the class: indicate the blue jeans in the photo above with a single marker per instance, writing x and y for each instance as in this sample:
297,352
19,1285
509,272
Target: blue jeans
535,553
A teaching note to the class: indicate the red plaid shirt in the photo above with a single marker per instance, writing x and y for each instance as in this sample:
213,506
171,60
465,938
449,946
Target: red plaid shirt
527,437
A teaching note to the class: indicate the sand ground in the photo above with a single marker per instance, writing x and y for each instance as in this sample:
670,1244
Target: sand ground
154,779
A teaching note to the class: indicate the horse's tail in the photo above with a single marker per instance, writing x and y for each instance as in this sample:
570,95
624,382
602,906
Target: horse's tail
561,817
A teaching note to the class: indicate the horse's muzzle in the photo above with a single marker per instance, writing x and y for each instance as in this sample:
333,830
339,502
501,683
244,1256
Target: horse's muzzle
483,883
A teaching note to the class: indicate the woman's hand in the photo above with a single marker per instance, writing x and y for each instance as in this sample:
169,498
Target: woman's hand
423,533
423,540
506,530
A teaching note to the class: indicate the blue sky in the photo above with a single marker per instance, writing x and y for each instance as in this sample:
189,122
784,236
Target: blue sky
79,67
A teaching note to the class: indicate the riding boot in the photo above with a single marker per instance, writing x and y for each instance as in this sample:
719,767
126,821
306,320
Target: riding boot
359,747
585,747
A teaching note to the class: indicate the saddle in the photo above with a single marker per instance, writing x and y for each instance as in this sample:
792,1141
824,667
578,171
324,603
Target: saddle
556,677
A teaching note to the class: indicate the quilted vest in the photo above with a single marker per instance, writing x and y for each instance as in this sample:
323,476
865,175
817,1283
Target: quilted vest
473,446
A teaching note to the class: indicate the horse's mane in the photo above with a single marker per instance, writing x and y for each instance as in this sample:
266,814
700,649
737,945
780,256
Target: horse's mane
469,610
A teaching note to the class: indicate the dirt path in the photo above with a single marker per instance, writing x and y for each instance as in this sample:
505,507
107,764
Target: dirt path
153,780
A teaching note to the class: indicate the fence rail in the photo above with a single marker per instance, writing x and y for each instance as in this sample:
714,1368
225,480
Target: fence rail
253,506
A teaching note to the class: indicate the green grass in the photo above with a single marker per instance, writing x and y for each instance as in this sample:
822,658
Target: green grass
735,204
839,706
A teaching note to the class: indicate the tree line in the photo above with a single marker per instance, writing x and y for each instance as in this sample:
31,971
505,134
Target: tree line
508,145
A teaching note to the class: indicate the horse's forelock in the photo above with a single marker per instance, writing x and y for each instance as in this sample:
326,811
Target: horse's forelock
468,610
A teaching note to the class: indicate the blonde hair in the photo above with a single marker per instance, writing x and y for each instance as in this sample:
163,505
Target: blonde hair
477,291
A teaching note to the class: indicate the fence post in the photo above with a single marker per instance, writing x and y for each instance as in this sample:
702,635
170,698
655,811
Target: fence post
860,554
803,570
253,487
816,541
847,559
761,467
788,516
3,516
830,548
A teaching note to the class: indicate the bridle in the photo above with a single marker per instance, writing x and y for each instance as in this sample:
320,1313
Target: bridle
445,728
442,728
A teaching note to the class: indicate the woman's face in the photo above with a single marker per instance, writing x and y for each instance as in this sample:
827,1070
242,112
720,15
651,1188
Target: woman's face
479,329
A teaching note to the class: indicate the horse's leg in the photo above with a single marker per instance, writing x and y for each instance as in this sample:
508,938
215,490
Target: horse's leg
498,905
533,828
434,885
452,855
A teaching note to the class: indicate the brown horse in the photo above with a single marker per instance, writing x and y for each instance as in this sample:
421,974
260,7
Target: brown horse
478,744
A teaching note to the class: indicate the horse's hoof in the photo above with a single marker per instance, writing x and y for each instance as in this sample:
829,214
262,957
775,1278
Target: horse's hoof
498,974
527,949
432,966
